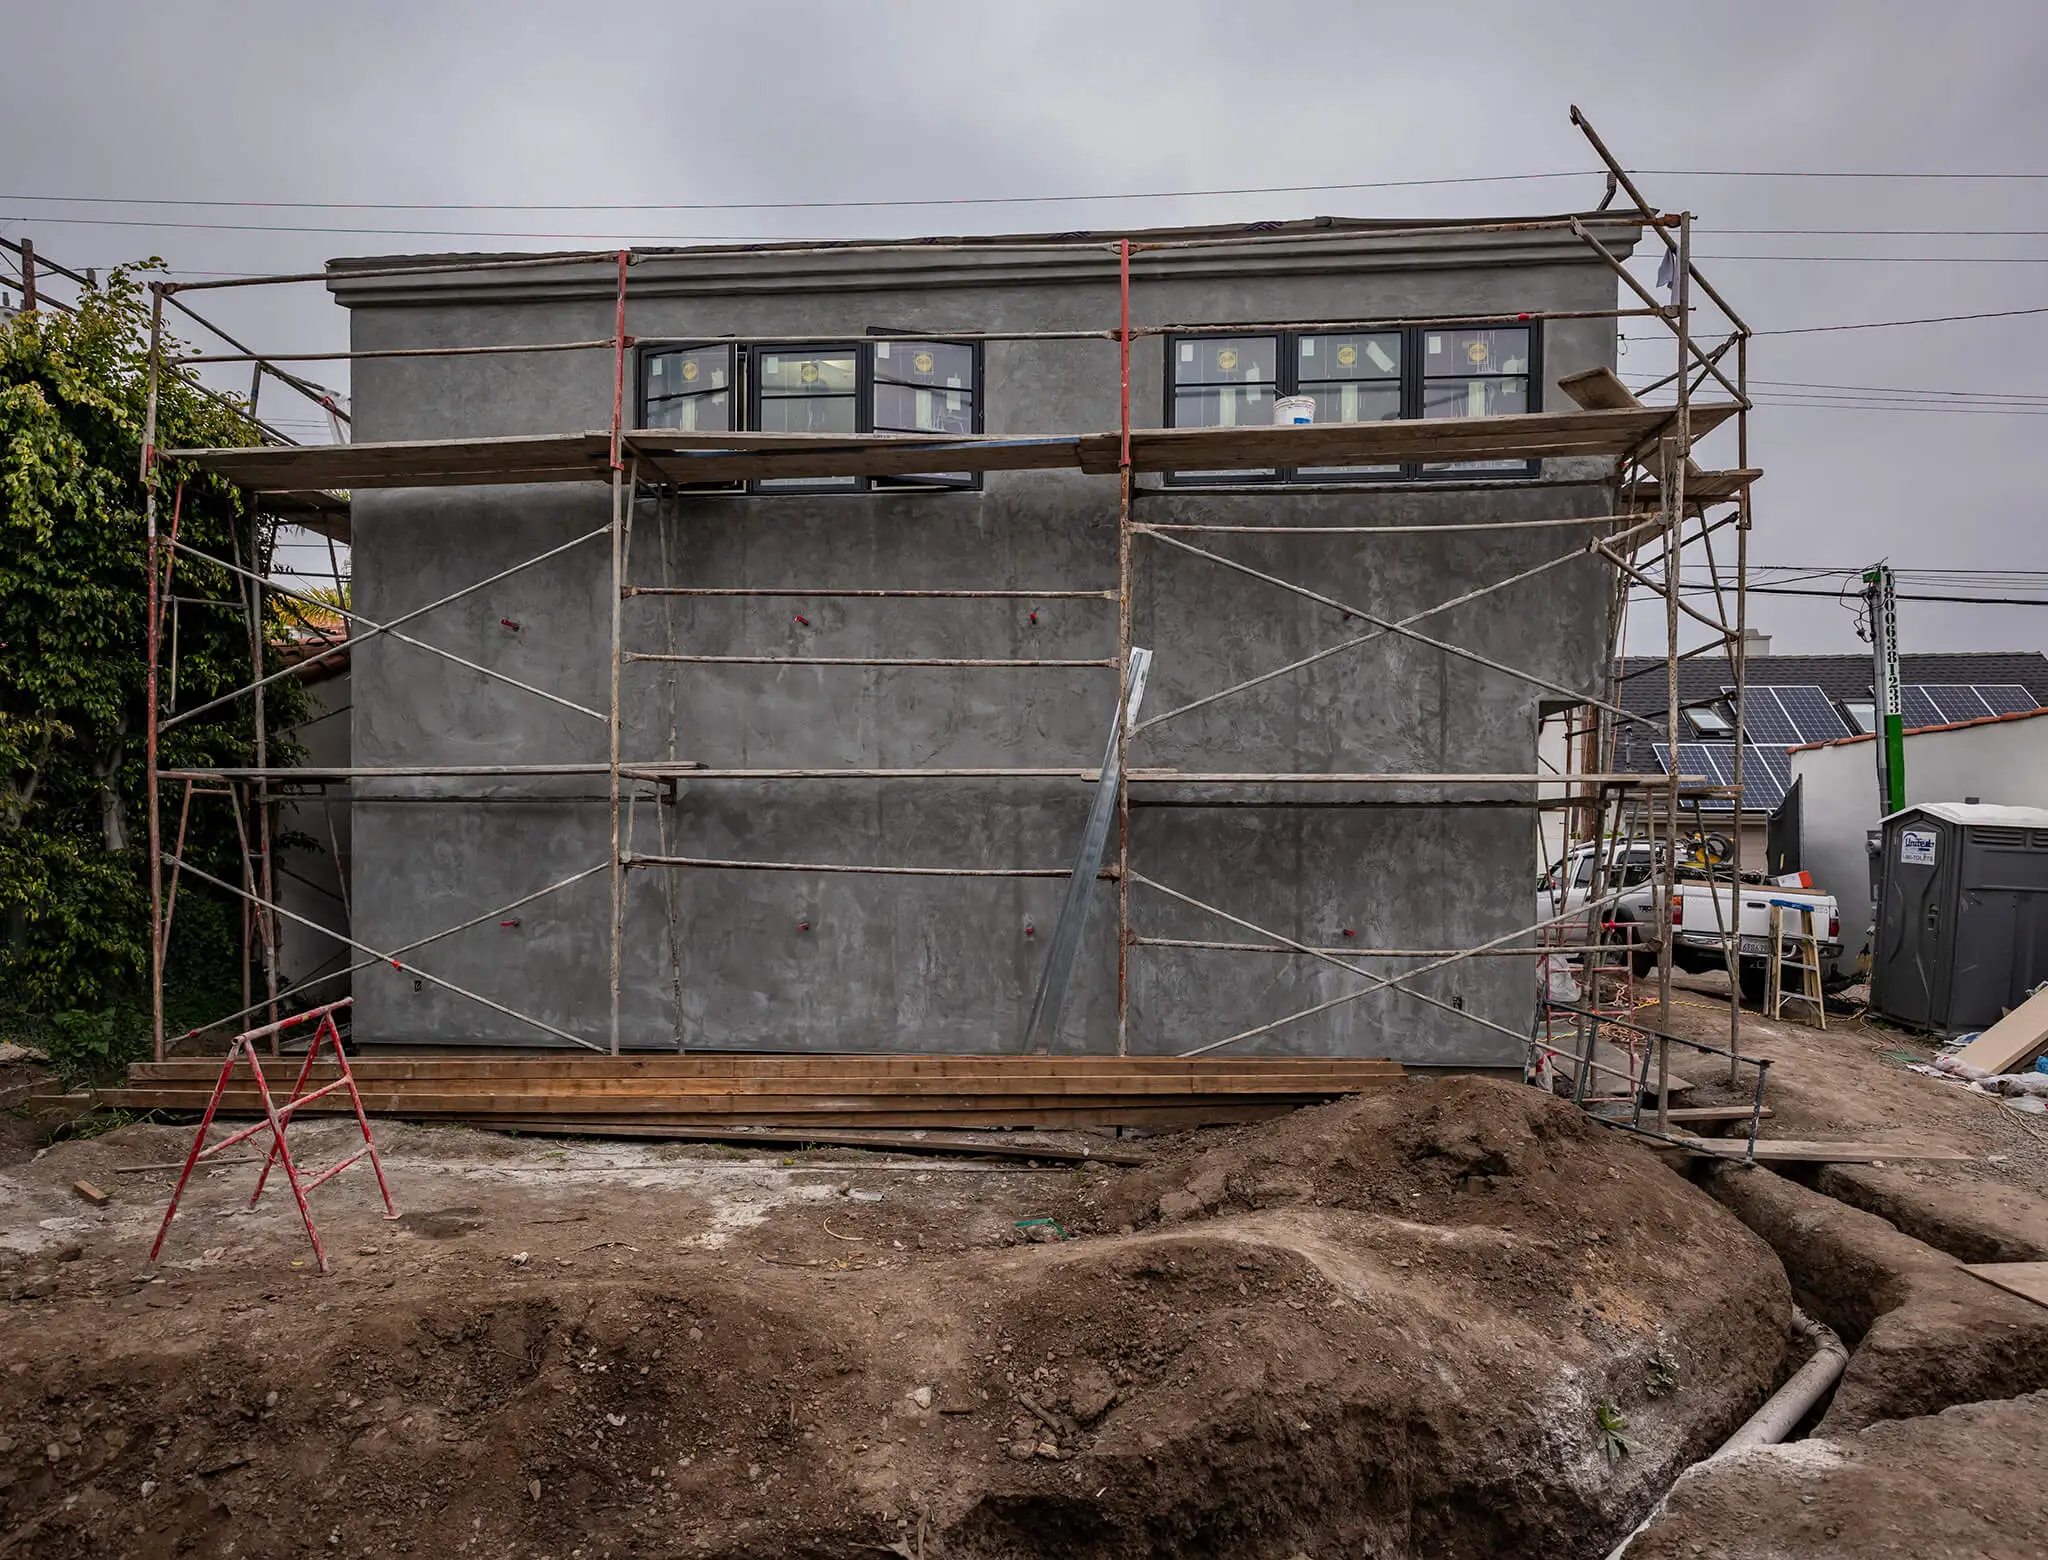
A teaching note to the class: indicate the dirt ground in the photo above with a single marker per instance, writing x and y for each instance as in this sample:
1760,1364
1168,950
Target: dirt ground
1386,1326
1392,1326
1963,1482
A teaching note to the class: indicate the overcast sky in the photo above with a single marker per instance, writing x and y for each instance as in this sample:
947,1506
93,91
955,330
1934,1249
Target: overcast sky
511,102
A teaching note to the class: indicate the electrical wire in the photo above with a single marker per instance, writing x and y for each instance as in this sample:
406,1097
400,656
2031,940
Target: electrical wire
1889,259
1979,175
1926,319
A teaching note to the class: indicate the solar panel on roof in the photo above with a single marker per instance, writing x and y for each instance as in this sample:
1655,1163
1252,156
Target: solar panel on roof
1695,759
1812,714
1918,709
1766,772
1703,759
1764,719
1957,702
2007,698
1766,777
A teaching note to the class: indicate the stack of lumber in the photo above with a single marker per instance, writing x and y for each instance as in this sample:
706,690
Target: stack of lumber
699,1093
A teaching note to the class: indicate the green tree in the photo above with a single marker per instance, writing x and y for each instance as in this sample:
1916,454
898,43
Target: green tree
74,885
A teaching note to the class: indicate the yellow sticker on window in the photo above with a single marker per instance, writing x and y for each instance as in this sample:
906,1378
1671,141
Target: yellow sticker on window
923,362
1227,358
690,369
808,373
1476,352
1347,354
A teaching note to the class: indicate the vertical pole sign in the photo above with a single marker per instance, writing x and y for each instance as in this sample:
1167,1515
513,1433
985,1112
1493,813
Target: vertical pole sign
1880,594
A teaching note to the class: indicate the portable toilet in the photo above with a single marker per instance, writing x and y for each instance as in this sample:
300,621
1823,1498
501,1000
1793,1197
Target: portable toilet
1962,914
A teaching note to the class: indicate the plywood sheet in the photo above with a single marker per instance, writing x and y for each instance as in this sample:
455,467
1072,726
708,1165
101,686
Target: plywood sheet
2013,1041
1812,1150
2028,1280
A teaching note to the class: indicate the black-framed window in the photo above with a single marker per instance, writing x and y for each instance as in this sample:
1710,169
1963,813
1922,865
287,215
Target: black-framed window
1353,376
691,389
1226,382
806,390
855,387
1223,381
1477,371
925,387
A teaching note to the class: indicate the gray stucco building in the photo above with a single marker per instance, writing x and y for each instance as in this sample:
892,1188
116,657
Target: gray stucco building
756,959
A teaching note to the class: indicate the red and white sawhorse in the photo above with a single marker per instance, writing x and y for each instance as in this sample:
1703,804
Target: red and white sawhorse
278,1117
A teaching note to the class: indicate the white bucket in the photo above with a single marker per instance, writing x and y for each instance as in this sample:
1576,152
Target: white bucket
1294,411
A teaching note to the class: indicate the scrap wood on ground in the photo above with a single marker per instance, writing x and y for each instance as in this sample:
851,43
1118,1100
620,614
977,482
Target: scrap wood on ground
796,1090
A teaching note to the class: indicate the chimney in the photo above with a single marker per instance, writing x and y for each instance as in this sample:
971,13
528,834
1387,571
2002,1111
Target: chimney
1754,644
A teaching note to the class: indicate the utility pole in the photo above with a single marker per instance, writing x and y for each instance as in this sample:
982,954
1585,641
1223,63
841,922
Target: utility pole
1881,600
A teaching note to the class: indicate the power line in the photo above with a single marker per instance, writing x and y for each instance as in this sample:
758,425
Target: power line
1814,384
395,232
1895,258
808,205
1702,227
1978,175
1927,319
1830,595
779,238
1846,405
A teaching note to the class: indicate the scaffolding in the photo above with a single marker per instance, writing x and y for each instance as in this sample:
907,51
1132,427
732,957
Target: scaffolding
1666,508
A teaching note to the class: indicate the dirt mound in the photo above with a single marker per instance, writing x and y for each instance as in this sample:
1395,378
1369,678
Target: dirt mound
1964,1482
1388,1327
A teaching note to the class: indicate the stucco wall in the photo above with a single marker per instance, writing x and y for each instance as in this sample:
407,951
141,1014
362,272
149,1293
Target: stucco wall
719,959
312,859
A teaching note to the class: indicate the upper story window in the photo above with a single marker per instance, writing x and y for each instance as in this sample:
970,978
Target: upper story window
855,388
1480,371
806,390
691,389
925,387
1354,377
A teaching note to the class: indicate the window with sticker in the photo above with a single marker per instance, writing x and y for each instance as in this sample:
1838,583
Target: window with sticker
1355,376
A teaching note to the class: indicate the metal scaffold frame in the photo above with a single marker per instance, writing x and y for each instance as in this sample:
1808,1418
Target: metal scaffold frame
1666,508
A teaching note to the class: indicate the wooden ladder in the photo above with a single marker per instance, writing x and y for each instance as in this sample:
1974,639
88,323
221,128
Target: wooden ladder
1799,951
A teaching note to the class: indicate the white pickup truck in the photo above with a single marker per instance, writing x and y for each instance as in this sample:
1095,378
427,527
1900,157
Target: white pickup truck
1696,923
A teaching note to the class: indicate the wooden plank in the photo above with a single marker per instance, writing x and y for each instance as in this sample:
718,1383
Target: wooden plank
938,1142
1067,1116
1531,434
2028,1280
1705,1113
203,1069
1598,390
1708,485
483,1101
1812,1151
2013,1041
683,1090
732,457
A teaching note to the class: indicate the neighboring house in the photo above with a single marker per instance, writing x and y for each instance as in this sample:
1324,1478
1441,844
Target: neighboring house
1798,700
1833,810
761,959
